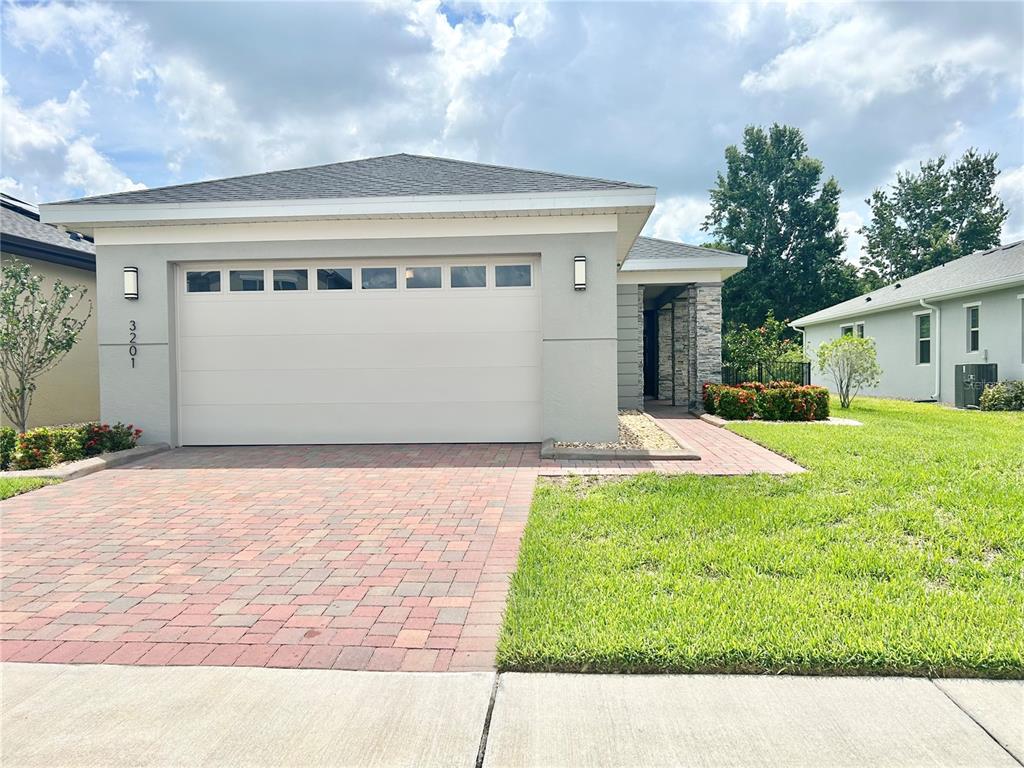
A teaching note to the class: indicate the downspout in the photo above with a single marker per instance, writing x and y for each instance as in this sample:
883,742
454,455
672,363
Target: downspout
938,346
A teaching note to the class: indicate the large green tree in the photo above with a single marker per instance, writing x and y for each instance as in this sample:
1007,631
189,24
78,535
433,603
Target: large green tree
927,218
772,205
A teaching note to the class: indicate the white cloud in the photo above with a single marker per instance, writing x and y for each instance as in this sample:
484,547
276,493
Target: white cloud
1010,187
861,57
90,171
119,47
736,21
467,50
679,218
852,221
43,127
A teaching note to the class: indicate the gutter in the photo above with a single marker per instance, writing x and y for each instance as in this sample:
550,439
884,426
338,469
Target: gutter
803,338
938,346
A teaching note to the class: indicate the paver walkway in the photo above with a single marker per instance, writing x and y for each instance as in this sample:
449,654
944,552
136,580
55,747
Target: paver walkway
347,557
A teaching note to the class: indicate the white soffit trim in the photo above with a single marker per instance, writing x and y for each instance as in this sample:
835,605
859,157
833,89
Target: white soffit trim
106,214
354,229
735,263
675,276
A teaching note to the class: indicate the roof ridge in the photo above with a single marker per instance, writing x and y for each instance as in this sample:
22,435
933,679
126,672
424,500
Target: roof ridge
323,166
225,178
527,170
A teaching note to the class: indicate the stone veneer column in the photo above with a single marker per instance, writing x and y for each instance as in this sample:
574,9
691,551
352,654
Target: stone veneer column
705,338
640,336
681,323
665,352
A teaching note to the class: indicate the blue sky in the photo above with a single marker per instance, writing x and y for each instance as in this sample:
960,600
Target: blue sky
101,97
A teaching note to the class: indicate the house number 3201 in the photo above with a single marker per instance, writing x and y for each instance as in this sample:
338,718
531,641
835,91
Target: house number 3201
133,350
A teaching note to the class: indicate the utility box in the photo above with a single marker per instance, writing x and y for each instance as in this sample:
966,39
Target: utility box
970,381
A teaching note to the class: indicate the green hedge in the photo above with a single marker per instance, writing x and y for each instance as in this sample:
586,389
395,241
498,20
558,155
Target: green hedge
776,401
1004,396
45,446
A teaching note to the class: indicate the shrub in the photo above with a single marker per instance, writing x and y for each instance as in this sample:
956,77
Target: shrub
67,443
1004,396
852,363
121,437
709,391
752,386
8,445
734,403
35,449
783,384
794,403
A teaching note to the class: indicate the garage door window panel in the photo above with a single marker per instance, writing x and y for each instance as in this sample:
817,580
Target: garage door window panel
245,280
422,277
291,280
205,281
334,279
513,276
469,276
378,278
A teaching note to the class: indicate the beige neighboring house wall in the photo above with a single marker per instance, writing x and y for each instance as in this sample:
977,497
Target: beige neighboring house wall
70,392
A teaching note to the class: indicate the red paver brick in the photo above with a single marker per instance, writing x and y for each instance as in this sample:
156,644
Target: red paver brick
354,557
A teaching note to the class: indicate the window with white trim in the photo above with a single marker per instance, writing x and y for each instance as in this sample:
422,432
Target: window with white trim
422,277
205,281
859,330
973,328
378,278
245,279
923,324
846,330
513,276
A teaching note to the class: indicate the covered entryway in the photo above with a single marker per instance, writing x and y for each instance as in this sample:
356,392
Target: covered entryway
424,350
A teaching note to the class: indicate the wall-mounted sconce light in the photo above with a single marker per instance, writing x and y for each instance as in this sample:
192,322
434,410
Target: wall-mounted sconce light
580,273
131,283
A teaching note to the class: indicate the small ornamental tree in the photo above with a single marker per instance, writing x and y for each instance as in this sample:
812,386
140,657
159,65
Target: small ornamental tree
36,332
745,347
852,363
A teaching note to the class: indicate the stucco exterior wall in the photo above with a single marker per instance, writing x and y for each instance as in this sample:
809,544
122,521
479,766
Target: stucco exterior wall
70,392
1001,335
579,329
630,351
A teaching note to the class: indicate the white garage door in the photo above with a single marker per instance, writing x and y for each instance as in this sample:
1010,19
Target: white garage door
368,352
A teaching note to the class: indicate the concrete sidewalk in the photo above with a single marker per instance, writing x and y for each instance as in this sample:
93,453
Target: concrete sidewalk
105,715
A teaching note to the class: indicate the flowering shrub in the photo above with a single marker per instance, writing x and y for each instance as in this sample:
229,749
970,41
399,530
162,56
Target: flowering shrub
103,438
794,403
45,446
786,402
734,403
35,449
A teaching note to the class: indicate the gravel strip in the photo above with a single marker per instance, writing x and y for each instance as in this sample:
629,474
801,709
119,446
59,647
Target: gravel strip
636,431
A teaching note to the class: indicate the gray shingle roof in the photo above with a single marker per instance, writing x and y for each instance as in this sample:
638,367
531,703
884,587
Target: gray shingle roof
387,176
974,270
24,225
653,248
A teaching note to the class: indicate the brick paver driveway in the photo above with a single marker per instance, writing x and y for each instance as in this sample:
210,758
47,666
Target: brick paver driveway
351,557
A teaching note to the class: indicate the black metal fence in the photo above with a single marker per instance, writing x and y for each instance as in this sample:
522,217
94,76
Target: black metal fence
765,372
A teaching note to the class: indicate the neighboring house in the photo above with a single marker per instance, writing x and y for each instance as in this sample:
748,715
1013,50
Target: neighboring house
392,299
70,392
970,310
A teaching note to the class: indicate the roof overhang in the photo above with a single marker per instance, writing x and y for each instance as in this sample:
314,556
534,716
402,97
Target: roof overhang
86,217
712,268
55,254
866,307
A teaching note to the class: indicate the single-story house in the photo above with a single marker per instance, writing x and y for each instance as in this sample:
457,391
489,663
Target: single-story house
391,299
70,392
966,311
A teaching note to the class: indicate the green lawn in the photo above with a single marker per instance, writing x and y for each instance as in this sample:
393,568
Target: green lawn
901,550
12,486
